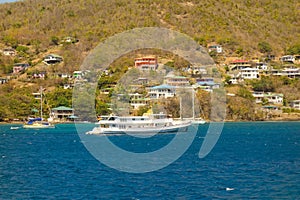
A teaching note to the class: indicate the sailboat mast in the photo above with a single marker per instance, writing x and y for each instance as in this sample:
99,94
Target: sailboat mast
193,103
180,108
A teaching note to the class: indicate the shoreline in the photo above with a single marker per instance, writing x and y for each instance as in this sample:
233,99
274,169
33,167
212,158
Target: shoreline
207,121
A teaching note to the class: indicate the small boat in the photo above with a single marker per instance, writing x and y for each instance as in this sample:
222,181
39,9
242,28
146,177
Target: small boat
37,123
154,123
198,121
14,127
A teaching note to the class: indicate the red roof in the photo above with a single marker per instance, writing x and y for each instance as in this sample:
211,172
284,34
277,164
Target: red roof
240,61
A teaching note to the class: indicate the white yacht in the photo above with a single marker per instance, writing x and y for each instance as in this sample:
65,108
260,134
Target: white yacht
152,123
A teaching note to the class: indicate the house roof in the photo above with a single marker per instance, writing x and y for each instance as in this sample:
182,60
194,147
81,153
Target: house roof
53,55
240,61
163,86
249,68
209,83
63,108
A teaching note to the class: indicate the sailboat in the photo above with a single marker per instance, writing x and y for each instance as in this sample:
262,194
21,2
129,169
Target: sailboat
38,123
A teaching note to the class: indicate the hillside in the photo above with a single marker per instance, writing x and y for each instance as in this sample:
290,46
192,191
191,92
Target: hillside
237,24
36,28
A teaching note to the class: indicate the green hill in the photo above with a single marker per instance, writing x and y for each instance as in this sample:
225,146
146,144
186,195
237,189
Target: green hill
35,28
243,23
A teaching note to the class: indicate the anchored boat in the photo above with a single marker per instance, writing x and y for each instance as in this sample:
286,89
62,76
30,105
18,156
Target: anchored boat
154,123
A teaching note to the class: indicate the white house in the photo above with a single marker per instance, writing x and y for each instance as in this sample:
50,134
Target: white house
52,59
295,104
161,91
261,66
137,100
288,58
275,98
9,52
215,47
291,72
200,70
3,80
249,73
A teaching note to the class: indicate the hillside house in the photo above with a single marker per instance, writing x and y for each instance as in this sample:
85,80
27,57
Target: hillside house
61,113
20,67
39,75
206,84
52,59
270,97
288,59
68,86
295,104
9,52
239,64
69,39
77,74
270,57
215,47
142,81
161,91
261,66
146,63
196,70
291,72
137,100
3,80
249,73
297,59
177,81
64,75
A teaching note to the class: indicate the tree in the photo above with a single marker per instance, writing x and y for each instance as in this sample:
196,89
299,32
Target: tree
54,40
264,84
243,92
295,49
264,47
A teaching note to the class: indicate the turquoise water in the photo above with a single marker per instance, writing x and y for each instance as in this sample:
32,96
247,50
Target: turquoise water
257,160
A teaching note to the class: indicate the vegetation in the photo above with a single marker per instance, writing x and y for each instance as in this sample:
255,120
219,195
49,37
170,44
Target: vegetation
36,28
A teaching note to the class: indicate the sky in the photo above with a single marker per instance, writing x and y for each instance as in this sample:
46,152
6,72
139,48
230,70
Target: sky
5,1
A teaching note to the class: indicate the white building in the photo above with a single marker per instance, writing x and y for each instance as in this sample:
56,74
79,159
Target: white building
275,98
295,104
288,58
215,47
9,52
137,100
261,66
249,73
52,59
161,91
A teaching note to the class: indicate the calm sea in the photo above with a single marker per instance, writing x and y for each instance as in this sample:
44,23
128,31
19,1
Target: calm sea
256,160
